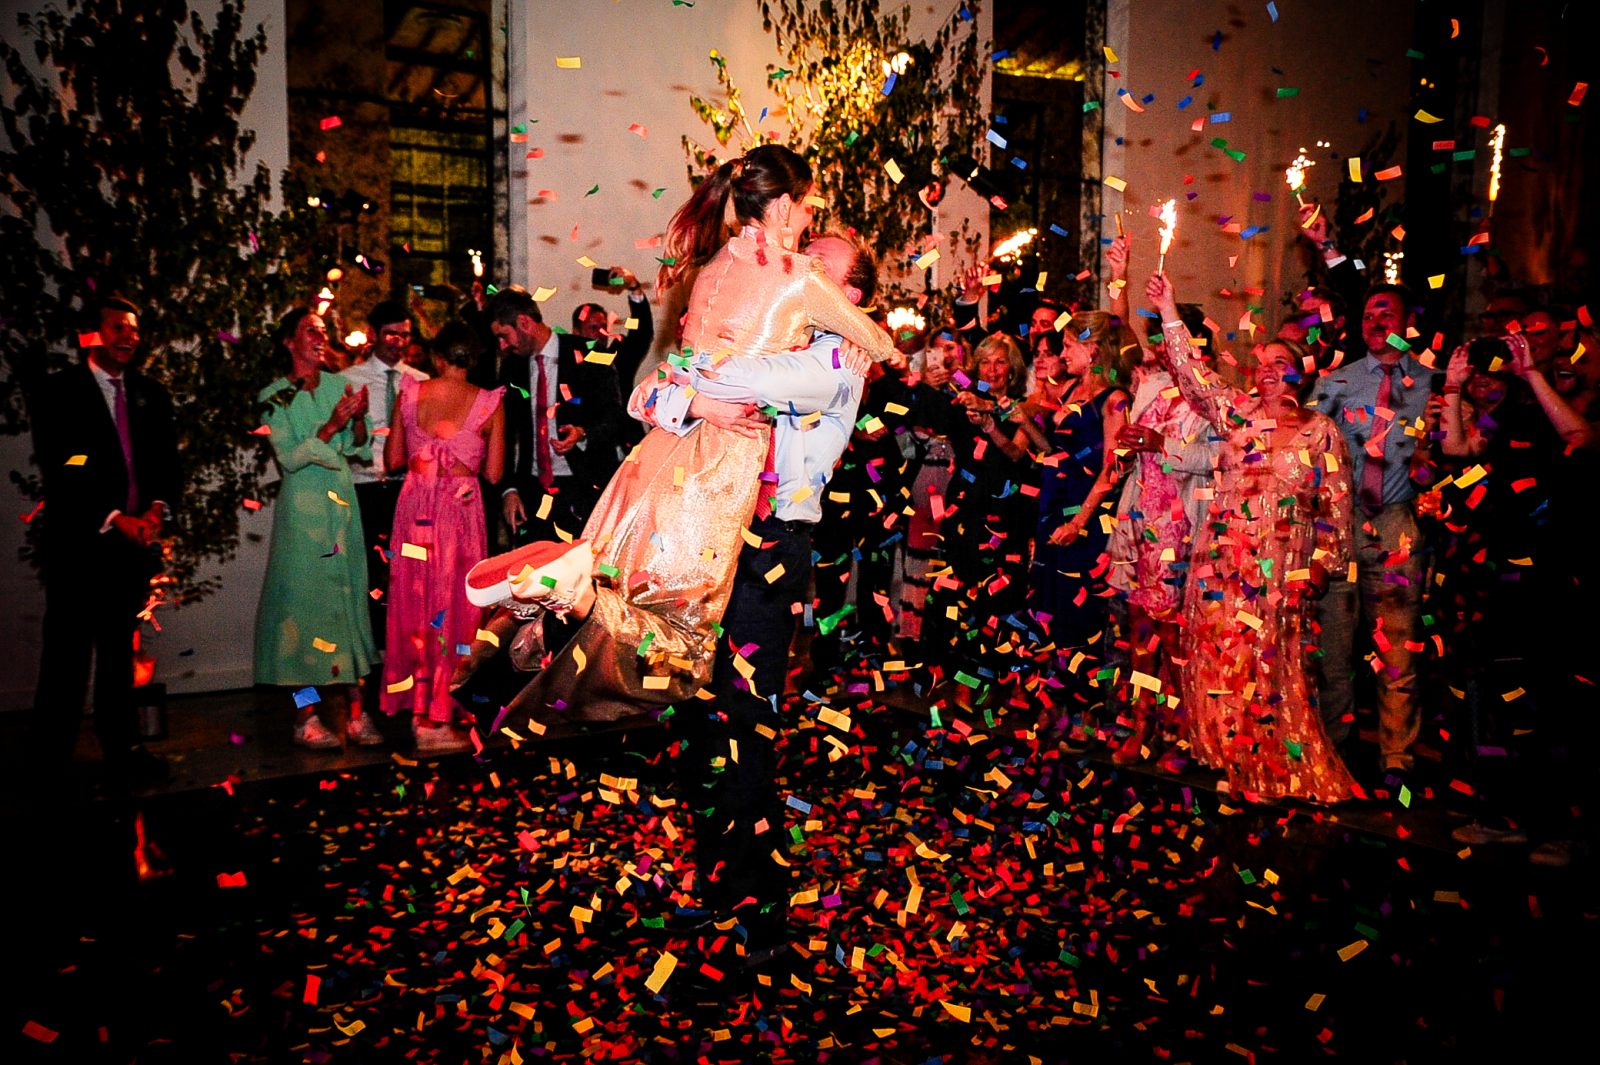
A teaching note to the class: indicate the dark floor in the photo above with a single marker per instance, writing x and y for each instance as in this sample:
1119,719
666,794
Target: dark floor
959,898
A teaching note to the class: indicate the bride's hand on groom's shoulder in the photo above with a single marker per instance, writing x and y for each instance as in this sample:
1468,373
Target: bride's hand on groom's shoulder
854,358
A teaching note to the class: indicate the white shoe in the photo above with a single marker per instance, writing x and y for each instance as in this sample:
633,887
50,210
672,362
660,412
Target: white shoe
314,734
362,731
558,577
440,739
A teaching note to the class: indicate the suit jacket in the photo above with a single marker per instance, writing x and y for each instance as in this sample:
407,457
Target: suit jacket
587,396
70,419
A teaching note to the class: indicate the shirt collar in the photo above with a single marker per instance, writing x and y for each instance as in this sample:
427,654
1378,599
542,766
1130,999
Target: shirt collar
104,379
552,347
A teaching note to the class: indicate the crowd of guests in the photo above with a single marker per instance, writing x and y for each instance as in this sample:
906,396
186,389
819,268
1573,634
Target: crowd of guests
1123,525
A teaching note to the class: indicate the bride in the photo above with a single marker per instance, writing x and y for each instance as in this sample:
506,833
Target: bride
651,575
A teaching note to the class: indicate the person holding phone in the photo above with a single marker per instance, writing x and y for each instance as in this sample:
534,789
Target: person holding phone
312,627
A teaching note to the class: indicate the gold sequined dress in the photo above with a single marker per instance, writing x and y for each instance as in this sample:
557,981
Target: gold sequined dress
668,529
1281,499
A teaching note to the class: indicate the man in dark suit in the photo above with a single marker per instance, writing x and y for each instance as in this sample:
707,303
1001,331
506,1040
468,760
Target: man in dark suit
561,444
627,344
107,448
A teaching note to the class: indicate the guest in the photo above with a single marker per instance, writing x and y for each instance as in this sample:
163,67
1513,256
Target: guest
1277,527
563,422
447,434
1160,507
987,521
107,450
1388,545
1318,322
312,626
1074,422
627,345
381,373
928,460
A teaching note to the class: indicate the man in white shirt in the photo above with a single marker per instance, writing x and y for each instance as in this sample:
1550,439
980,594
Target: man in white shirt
815,396
381,372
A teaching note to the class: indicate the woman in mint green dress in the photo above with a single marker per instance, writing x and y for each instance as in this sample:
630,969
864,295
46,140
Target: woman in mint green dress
312,627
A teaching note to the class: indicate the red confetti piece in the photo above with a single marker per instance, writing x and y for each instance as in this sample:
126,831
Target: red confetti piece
331,122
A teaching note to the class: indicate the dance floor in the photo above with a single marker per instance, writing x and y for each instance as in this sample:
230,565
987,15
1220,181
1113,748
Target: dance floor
959,896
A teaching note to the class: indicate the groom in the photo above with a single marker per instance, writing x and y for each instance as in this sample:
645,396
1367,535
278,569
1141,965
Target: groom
727,757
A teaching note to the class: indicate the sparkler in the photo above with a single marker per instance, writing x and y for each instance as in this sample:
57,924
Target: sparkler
1169,229
1006,249
358,339
1295,175
477,261
1497,143
905,318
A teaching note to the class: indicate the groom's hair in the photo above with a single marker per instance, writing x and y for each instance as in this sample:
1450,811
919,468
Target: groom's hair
863,266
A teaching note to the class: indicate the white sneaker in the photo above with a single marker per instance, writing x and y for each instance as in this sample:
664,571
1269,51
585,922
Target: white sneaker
559,577
312,733
364,732
441,739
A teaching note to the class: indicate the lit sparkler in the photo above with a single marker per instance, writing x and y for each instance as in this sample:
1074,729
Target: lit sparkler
905,318
1295,175
358,339
1497,143
1012,245
477,261
1169,229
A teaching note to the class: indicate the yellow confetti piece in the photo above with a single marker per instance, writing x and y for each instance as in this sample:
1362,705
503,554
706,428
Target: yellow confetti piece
815,201
1346,953
79,460
1471,477
631,324
544,506
569,62
323,645
927,258
1145,680
1111,57
1515,693
587,263
1354,163
960,1013
521,1009
1116,183
600,358
335,497
416,551
542,293
1249,619
1427,119
656,683
1315,1001
354,1027
1436,281
829,716
892,168
401,686
487,637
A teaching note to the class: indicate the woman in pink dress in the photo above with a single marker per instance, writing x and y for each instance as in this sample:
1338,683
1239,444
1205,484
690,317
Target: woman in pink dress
446,435
1277,525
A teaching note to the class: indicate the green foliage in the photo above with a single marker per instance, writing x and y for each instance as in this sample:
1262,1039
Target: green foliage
830,81
126,171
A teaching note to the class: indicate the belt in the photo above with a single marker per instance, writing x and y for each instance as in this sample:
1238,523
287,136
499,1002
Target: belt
794,528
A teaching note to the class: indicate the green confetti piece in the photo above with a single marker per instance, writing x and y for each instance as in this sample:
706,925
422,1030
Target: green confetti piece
1405,796
933,714
592,191
1518,153
653,922
1247,876
988,718
1293,748
520,127
513,930
960,903
968,680
1236,156
1398,342
851,140
874,950
1219,142
609,570
656,195
1437,168
1463,156
1284,92
1367,930
1412,53
1266,567
1090,105
1069,958
548,582
831,622
644,644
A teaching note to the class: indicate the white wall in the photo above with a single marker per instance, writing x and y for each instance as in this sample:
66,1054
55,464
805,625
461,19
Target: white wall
203,647
1341,56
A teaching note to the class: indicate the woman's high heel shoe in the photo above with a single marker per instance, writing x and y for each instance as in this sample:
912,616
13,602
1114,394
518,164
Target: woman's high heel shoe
555,576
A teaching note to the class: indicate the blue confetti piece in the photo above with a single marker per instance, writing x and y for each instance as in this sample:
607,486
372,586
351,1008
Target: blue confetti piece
1148,98
966,15
1361,115
763,117
1199,80
1185,102
1272,9
1057,230
306,697
798,804
1003,53
995,139
1249,232
438,621
1222,116
888,85
1020,164
463,648
1216,41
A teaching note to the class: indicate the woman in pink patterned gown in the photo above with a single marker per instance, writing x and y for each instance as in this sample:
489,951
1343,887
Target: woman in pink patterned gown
1277,525
446,436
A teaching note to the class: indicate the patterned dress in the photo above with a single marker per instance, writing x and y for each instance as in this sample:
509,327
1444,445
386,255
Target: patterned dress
1281,500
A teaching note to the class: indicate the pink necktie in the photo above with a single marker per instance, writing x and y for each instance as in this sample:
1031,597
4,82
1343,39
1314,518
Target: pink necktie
1371,494
541,431
125,438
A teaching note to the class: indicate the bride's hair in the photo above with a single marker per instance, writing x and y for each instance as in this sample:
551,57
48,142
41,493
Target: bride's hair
736,192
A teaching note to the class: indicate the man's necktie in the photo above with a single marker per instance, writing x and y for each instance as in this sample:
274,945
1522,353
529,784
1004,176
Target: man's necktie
125,438
541,428
392,390
1371,492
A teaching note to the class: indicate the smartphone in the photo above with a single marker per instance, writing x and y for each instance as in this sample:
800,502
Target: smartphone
1436,382
600,277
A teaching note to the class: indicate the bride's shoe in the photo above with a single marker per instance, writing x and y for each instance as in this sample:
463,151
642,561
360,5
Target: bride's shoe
543,574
